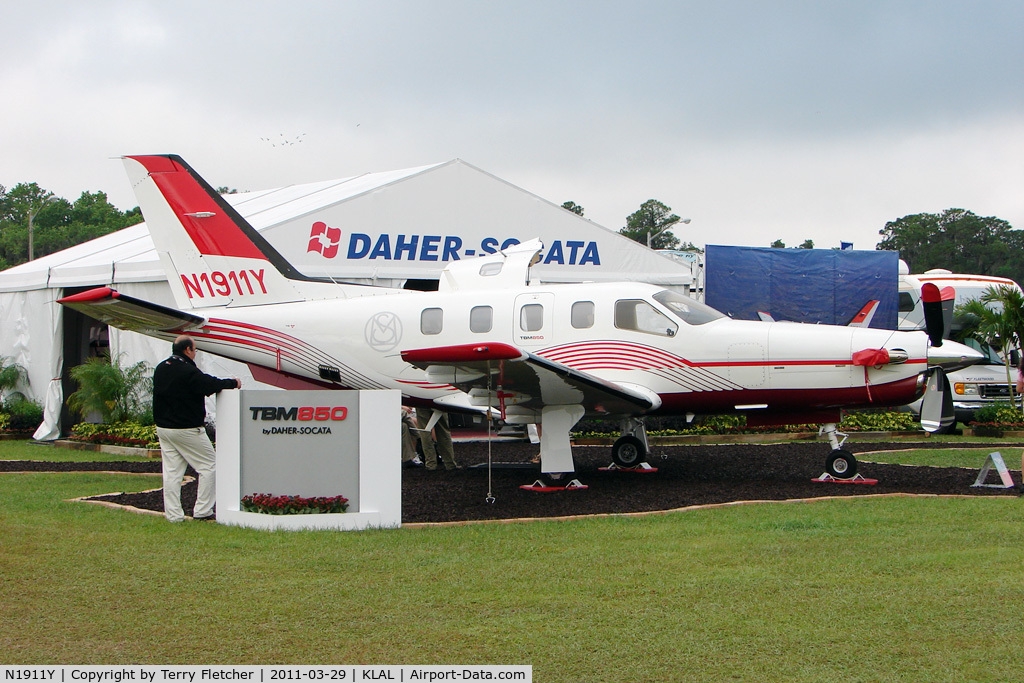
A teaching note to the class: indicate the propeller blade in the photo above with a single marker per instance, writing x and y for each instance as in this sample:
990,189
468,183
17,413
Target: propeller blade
938,308
937,406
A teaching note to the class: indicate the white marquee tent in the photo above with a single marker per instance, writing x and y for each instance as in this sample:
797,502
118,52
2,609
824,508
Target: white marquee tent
388,228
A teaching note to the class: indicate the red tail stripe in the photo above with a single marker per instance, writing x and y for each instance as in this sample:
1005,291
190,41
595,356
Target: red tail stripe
213,235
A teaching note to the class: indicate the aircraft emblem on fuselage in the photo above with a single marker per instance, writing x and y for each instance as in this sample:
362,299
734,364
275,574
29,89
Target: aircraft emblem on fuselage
384,331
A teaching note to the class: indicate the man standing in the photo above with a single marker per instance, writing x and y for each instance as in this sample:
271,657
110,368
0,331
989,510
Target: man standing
179,410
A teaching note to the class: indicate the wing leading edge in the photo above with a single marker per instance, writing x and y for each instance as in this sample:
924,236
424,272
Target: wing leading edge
518,382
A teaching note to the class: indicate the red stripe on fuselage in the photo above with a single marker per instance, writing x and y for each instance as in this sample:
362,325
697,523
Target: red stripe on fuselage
900,392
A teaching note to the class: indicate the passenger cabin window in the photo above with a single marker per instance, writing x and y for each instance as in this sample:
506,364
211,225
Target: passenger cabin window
431,320
531,317
636,314
480,318
906,302
582,315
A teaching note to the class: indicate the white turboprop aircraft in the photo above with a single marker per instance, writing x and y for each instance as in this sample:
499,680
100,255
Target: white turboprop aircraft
489,339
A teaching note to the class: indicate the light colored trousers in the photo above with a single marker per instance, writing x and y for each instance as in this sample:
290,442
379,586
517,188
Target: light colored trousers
180,448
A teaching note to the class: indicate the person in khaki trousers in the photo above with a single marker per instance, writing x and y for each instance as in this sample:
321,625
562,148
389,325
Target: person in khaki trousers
444,441
180,389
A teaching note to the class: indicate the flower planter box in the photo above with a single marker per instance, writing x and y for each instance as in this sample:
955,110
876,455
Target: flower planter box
996,432
105,448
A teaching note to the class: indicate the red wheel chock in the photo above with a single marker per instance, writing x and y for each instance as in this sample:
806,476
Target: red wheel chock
642,468
827,478
540,487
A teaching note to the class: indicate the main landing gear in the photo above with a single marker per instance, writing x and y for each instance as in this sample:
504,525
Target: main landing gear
631,449
840,463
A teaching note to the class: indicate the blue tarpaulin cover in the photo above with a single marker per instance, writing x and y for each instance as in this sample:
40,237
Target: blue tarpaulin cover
802,285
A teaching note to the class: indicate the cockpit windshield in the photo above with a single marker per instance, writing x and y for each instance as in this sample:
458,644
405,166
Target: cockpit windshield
991,355
686,309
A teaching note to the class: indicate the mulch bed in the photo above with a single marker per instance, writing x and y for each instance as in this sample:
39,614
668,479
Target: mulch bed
688,475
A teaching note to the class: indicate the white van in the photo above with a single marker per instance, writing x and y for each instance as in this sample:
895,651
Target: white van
973,387
967,288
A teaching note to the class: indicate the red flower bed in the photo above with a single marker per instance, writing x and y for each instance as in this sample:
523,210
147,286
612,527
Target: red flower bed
293,505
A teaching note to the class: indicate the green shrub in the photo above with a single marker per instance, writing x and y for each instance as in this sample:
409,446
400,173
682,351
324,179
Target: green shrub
117,393
116,434
878,421
23,414
11,375
999,413
861,421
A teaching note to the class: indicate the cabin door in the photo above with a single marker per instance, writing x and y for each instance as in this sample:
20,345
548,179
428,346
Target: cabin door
533,325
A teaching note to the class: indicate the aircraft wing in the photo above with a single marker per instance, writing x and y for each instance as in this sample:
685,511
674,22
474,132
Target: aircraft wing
510,378
128,313
517,378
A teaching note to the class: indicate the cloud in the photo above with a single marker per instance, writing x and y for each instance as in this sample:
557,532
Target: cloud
787,120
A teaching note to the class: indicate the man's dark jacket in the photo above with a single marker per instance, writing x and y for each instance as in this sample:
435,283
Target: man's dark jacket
179,392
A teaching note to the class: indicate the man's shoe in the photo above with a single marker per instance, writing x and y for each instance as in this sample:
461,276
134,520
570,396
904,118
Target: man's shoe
207,518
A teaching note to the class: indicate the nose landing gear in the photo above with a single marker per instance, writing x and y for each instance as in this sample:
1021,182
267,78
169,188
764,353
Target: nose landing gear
840,463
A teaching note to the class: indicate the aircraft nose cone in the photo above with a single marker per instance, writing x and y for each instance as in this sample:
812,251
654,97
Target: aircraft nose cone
953,356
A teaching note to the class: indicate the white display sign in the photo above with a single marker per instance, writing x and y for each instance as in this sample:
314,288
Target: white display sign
310,444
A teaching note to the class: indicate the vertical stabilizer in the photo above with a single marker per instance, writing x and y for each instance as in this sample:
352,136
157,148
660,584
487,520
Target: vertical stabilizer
212,256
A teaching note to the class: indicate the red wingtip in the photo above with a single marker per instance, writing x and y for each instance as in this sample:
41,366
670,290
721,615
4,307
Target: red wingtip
90,295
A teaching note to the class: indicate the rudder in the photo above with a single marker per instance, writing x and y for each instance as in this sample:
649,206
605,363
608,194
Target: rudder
212,255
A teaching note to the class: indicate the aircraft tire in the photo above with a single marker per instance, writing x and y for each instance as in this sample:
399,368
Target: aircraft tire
841,464
628,451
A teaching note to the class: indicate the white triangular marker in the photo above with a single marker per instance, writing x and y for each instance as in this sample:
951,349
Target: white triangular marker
994,460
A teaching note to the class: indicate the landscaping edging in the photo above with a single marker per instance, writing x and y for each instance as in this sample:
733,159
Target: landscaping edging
1016,434
685,439
106,448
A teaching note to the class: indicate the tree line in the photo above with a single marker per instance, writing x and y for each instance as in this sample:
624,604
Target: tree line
53,222
956,239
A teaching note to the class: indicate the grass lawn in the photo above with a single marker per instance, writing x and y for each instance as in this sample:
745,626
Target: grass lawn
868,589
20,449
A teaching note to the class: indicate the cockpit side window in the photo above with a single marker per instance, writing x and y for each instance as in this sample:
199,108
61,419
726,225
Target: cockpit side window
637,314
431,321
686,309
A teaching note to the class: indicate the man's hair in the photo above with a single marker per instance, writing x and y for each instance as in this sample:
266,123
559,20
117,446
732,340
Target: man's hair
181,344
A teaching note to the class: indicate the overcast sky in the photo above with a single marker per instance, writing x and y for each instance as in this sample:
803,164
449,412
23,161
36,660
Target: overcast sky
758,120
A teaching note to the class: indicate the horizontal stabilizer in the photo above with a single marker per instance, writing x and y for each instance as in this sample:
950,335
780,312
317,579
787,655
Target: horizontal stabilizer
865,315
128,313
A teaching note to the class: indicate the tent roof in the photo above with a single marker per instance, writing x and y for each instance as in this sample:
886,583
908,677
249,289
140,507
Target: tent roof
128,254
